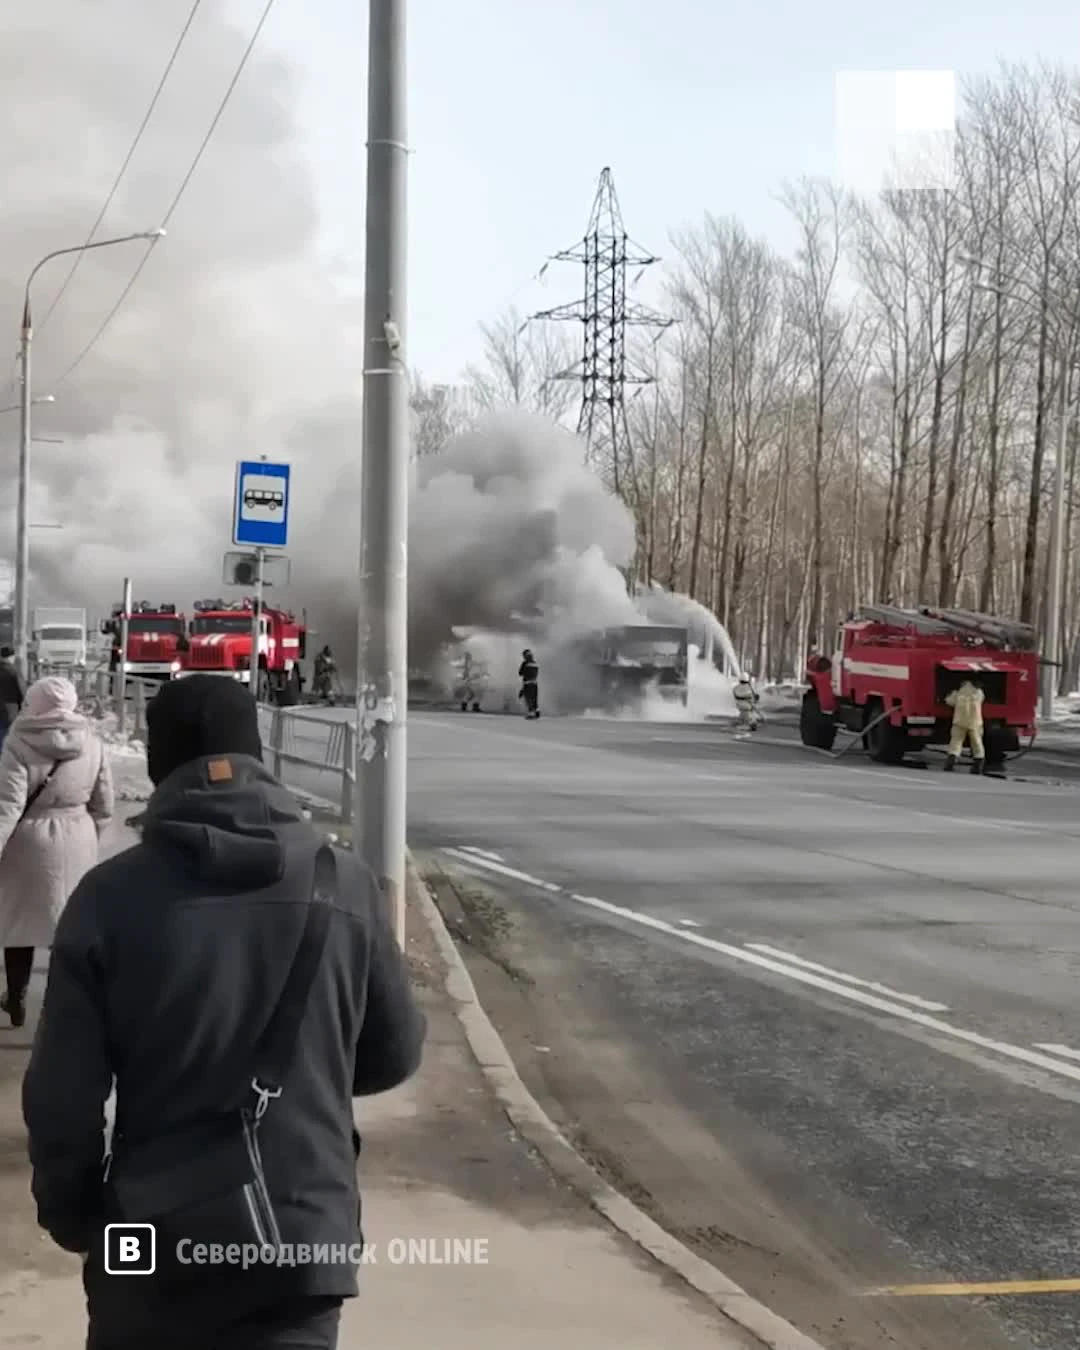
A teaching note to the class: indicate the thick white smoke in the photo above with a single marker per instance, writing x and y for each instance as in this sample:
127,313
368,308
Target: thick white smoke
509,532
512,539
233,343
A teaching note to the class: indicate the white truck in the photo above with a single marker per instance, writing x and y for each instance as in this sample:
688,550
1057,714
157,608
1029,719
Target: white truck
60,637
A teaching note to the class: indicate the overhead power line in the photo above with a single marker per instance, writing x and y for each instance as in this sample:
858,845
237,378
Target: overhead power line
127,161
175,201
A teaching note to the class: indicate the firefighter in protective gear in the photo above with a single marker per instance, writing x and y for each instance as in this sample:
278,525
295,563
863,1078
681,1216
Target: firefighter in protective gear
967,725
529,674
323,684
746,701
468,689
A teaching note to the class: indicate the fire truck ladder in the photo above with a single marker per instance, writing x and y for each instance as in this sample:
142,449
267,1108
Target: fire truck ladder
916,621
953,623
1001,632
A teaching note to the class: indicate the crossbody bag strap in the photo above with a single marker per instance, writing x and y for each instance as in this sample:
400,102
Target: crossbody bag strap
276,1049
32,798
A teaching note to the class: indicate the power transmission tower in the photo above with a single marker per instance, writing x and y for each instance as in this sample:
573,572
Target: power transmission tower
604,371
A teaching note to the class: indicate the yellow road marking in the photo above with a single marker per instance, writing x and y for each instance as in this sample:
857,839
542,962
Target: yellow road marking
990,1289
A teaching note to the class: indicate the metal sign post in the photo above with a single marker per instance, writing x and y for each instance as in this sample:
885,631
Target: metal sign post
256,623
260,522
121,664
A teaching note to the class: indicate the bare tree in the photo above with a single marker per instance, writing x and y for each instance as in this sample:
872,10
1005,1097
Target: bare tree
439,412
870,416
524,366
821,213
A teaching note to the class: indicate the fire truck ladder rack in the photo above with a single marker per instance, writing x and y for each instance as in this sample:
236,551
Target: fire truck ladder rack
954,623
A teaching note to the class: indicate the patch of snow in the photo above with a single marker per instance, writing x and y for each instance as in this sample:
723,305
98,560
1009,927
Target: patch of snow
1067,712
127,760
130,780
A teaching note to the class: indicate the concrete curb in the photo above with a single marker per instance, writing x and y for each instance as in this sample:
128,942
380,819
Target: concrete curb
538,1129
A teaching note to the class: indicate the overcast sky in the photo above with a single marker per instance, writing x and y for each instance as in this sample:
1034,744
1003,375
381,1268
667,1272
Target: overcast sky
516,107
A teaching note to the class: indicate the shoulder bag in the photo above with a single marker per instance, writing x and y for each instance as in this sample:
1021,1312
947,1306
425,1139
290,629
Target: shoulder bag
206,1185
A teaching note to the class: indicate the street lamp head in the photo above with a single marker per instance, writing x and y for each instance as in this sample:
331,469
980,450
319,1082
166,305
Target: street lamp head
155,234
45,398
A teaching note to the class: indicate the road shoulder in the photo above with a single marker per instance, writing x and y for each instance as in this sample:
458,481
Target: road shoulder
737,1201
731,1302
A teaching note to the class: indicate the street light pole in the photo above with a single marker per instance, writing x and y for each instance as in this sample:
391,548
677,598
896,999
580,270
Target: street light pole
22,525
1055,580
382,657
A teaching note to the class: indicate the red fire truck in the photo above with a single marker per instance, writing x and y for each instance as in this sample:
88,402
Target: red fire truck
895,667
219,643
156,635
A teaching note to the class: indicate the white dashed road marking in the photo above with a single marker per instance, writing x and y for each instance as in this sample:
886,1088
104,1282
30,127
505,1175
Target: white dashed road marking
1034,1058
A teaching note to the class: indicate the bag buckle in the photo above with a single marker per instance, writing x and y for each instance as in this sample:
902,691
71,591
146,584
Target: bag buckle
265,1096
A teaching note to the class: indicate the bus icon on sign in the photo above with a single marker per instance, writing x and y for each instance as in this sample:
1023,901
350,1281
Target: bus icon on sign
267,501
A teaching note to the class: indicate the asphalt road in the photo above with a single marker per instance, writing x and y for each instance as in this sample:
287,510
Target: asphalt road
1054,756
799,1008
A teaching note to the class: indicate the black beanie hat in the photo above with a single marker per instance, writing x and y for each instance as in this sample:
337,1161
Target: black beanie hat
197,716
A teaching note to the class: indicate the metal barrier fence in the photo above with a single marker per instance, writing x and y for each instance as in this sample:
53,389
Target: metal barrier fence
323,749
102,691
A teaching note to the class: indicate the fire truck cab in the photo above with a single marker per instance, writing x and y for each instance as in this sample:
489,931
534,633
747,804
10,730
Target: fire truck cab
894,669
219,643
155,636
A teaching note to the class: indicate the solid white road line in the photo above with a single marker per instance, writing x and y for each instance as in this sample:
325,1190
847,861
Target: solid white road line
483,853
501,868
882,989
1006,1049
1062,1050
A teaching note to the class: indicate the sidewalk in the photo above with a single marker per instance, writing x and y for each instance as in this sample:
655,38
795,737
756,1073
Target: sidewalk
440,1162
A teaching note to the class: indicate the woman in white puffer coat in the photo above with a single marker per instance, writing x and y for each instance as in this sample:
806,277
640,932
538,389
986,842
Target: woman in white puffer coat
56,798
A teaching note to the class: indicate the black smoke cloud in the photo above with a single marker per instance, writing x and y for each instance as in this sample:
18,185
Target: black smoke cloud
235,341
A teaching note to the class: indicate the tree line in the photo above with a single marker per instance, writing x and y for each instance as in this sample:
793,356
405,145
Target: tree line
876,417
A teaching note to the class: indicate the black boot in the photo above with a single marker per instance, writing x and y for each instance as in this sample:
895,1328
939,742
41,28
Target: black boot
15,1007
950,764
978,765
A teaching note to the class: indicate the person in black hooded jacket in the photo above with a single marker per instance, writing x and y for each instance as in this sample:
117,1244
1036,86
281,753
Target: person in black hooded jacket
12,691
167,964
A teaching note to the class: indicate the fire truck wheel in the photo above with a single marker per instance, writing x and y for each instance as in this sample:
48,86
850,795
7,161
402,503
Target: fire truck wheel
996,749
884,742
815,729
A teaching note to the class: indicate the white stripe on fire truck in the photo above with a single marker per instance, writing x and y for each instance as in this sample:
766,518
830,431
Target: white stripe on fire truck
883,672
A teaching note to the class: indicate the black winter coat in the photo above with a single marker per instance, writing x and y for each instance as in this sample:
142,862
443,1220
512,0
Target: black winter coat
166,967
